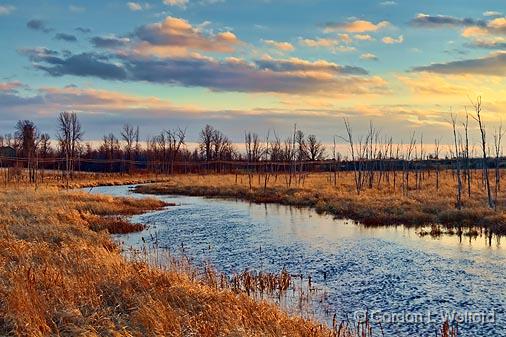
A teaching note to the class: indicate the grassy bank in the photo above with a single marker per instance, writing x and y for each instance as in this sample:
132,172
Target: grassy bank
61,275
374,207
78,179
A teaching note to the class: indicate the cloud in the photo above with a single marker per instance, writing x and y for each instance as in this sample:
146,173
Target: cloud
211,2
85,64
392,40
134,6
289,76
296,64
357,26
39,25
109,42
279,45
65,37
437,21
492,13
497,25
83,30
428,84
472,27
10,86
6,9
103,111
491,35
76,9
491,65
333,45
388,3
326,43
363,37
369,57
96,100
495,44
174,33
178,3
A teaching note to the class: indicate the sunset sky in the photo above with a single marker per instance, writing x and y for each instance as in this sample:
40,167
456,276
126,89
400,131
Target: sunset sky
252,65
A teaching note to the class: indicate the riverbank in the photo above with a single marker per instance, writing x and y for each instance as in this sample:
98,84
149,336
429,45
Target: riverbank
373,207
61,274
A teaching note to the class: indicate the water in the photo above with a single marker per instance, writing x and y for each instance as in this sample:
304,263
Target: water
391,272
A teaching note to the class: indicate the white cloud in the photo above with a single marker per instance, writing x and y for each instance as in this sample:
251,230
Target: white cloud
134,6
492,13
280,45
76,9
369,57
6,9
392,40
211,2
388,3
178,3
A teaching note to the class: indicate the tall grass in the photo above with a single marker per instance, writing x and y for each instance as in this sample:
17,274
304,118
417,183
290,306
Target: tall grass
61,276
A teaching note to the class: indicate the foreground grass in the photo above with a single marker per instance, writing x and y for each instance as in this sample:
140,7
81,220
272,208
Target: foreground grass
384,205
61,275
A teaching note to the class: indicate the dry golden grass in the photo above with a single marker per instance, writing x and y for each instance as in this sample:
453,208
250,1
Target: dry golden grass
58,277
383,205
79,179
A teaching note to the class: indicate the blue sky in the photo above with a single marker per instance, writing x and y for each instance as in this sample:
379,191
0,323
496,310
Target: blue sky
251,65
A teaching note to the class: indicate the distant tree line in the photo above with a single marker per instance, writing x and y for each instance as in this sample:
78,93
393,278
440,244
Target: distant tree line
373,158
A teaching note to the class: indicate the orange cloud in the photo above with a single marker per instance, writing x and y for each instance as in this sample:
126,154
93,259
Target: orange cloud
392,40
9,86
327,43
279,45
95,100
175,36
357,26
363,37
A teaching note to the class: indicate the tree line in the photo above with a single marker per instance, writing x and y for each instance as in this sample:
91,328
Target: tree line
373,157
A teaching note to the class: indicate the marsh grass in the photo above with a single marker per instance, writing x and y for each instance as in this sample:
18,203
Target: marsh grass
59,277
61,274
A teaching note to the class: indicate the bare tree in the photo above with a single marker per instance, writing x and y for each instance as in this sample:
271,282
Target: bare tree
69,135
110,148
457,161
498,135
44,150
467,155
356,170
437,143
478,108
175,139
315,149
129,134
27,139
206,142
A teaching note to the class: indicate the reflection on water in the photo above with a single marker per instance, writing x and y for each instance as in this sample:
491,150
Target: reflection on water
387,269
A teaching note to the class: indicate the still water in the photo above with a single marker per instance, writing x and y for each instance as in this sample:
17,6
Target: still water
390,272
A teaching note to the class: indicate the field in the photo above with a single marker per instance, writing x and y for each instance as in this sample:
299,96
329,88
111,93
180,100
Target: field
62,275
383,204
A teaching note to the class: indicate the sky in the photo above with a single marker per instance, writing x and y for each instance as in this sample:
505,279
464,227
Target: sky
257,65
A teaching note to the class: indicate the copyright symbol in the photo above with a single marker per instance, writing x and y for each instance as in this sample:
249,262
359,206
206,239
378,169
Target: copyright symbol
360,316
